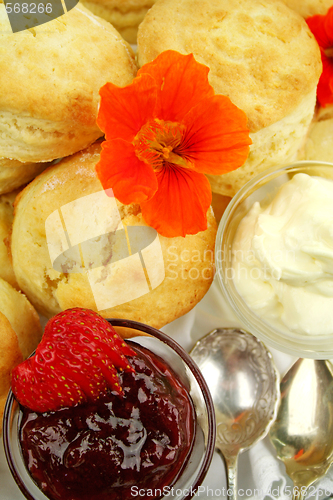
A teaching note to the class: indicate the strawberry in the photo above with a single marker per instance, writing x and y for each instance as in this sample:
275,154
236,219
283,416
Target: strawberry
76,361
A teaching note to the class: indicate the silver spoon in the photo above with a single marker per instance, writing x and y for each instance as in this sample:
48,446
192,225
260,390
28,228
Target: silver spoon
244,384
303,431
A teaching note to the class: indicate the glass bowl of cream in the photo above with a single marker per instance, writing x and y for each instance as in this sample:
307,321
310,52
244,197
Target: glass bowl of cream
274,258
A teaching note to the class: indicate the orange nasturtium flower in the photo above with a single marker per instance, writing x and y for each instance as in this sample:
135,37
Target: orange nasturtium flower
163,132
322,28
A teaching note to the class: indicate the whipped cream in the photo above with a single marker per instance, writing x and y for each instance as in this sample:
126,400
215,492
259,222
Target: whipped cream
282,257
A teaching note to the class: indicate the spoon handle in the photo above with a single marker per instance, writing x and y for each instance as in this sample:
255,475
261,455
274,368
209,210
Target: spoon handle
299,494
231,466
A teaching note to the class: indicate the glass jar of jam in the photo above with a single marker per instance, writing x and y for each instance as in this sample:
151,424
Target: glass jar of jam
155,441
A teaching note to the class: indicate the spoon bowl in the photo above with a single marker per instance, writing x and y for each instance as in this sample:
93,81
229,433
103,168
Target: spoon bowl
303,431
244,385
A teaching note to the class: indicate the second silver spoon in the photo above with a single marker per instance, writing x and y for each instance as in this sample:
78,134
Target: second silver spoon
244,384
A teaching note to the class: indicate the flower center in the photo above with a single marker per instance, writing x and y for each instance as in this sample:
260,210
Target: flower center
159,141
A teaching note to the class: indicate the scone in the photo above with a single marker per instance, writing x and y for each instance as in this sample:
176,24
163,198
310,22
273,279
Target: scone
72,245
14,173
50,77
6,220
319,143
20,332
261,54
308,8
124,15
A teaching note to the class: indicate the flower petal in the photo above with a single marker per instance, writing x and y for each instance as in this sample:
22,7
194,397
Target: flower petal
325,84
123,111
180,205
328,24
322,28
131,180
182,82
316,25
217,138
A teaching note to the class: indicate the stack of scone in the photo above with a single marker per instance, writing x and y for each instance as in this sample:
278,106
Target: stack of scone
72,245
63,64
261,54
54,73
49,82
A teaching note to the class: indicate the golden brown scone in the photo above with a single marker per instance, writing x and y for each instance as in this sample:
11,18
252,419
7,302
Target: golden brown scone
14,173
20,332
307,8
188,263
6,220
54,73
261,54
124,15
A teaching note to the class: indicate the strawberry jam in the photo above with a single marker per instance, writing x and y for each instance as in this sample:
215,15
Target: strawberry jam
102,450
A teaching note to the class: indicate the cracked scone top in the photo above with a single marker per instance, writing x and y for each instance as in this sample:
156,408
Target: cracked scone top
261,54
58,197
50,77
